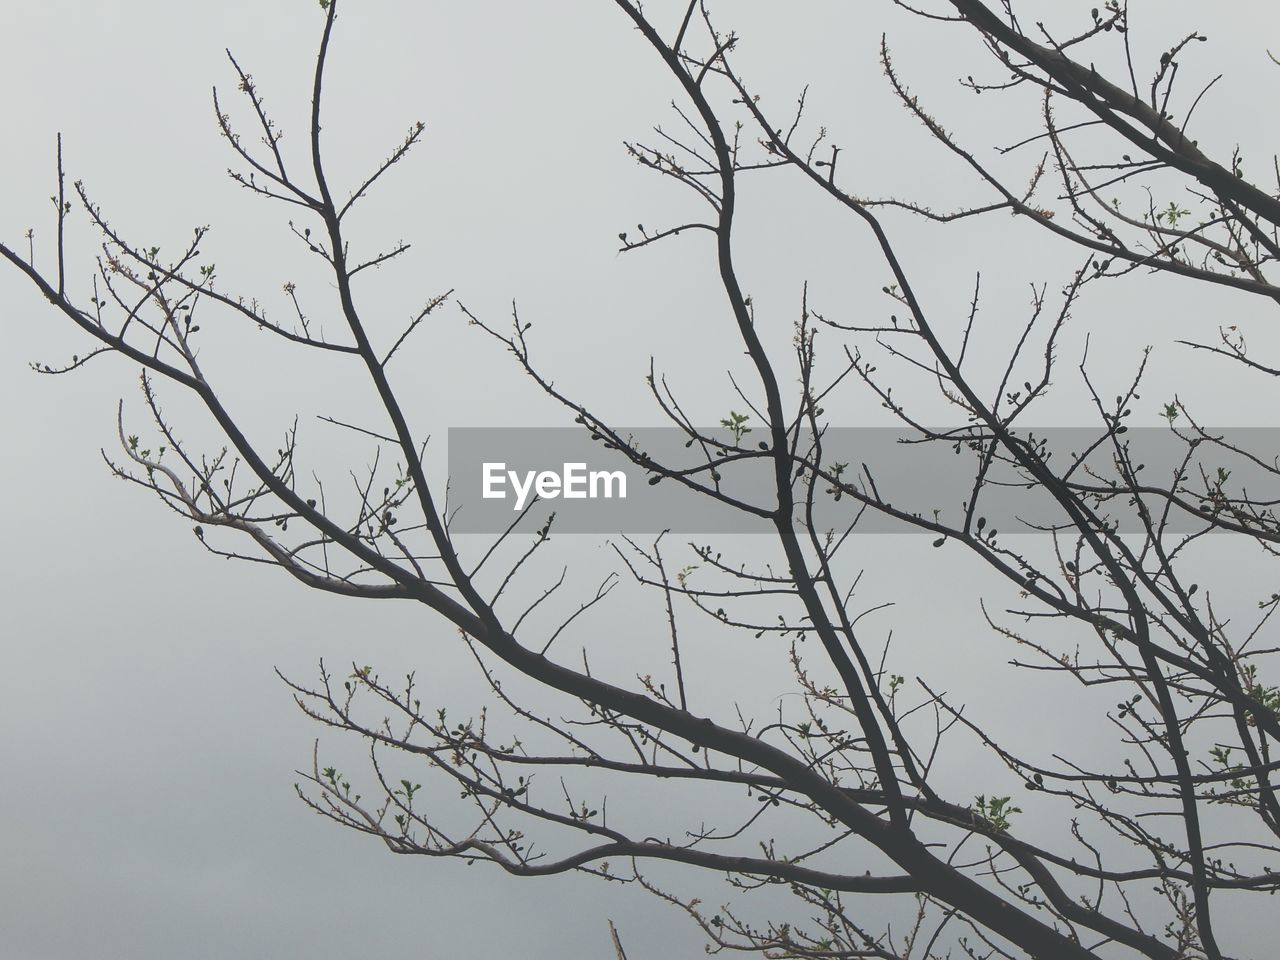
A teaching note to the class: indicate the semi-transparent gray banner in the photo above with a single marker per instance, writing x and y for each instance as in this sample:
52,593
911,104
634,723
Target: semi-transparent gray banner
504,476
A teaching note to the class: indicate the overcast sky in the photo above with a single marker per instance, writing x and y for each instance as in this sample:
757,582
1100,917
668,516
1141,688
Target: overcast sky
147,748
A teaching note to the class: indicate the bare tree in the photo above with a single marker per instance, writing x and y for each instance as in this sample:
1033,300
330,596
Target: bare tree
1166,828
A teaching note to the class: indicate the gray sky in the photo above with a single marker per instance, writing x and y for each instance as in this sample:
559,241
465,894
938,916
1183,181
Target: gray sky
146,745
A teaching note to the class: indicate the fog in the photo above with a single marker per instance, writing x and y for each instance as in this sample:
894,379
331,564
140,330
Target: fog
148,748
